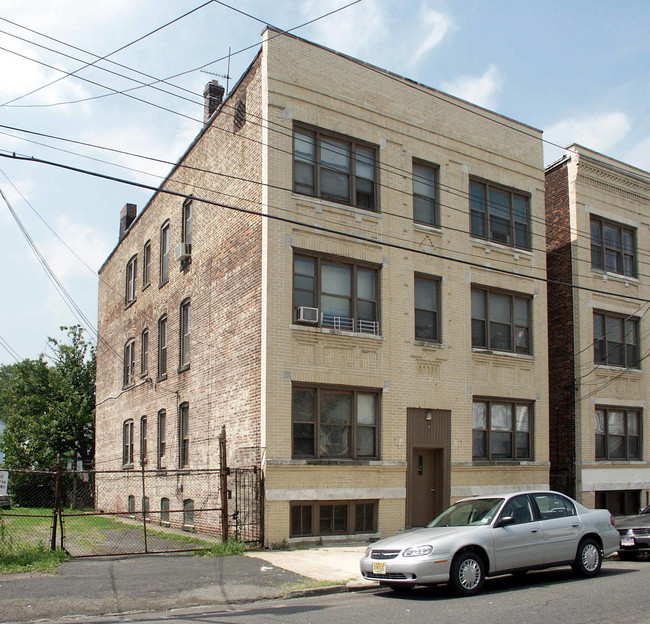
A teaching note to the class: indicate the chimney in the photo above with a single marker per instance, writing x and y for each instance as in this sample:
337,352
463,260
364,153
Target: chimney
127,216
212,97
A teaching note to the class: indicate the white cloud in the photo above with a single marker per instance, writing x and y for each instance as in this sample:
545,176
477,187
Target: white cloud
639,154
482,90
599,132
350,31
437,25
89,243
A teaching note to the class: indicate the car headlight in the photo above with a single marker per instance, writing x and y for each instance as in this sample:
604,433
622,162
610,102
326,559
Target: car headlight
368,551
418,551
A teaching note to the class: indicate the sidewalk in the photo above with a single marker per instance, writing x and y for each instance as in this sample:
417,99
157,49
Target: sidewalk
113,585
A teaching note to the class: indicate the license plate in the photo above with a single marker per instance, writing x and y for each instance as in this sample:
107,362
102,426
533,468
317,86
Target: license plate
379,568
627,541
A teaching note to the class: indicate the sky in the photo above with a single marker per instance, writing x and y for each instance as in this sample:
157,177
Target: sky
577,70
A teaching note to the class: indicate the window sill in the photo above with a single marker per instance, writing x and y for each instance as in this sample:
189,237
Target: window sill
161,378
145,286
144,374
128,386
615,368
333,537
435,229
619,277
127,466
503,462
522,356
489,244
163,283
432,344
320,202
335,332
128,304
312,461
183,368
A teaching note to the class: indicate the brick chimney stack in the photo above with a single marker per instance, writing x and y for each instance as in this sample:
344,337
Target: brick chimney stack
212,98
127,216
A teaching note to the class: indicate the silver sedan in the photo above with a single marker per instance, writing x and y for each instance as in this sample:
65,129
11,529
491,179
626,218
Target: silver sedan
491,535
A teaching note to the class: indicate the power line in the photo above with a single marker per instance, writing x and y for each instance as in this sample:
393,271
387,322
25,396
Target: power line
310,226
10,350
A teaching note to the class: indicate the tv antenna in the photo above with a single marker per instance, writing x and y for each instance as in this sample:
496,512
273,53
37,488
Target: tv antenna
226,75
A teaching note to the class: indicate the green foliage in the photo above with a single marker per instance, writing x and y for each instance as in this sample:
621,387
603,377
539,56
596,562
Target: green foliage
224,549
49,410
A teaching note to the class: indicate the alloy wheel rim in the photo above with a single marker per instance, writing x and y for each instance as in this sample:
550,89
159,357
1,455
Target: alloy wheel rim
470,573
590,557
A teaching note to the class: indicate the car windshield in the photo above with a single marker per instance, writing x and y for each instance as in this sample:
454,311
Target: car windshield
473,512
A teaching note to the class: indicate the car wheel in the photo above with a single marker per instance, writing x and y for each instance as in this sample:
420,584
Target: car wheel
627,556
588,558
467,574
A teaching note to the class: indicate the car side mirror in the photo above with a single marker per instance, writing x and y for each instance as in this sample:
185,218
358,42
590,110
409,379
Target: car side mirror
505,521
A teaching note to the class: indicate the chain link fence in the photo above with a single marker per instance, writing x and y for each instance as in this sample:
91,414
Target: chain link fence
110,512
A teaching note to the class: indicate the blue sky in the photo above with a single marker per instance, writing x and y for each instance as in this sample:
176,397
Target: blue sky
577,70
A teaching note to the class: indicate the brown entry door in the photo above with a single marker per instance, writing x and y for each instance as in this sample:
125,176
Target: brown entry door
426,498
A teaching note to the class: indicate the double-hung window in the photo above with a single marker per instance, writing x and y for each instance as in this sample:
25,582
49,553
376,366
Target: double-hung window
131,269
425,209
164,253
616,340
127,442
129,363
618,433
499,214
427,308
143,440
345,294
500,321
332,423
162,347
184,435
613,247
144,352
185,334
162,439
501,430
146,264
333,167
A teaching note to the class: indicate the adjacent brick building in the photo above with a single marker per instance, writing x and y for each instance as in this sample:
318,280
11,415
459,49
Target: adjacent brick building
598,236
362,260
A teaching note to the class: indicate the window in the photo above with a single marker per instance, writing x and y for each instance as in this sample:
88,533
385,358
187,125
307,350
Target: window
131,268
162,347
499,214
164,254
618,433
129,363
184,435
427,309
130,505
501,430
613,247
144,352
335,168
146,265
186,228
552,505
345,293
335,423
127,442
425,209
145,507
162,439
185,334
164,511
188,513
333,518
143,440
500,321
616,340
240,114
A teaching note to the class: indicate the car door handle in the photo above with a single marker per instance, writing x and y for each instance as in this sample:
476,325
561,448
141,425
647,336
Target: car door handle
534,530
576,525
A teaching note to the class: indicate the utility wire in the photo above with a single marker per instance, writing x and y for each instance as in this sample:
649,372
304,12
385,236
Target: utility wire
10,350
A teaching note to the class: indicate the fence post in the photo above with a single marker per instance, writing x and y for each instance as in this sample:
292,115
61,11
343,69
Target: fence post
144,515
57,503
223,483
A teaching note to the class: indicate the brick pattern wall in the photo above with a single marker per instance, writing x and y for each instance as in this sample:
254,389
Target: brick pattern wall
562,415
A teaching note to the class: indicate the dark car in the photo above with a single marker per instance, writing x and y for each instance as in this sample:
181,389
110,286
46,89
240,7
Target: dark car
635,535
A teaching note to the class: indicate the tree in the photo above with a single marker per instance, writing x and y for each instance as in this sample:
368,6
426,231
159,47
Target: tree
50,410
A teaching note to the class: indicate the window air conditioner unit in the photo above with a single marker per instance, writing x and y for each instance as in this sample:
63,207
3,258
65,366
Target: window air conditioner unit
182,251
163,462
307,315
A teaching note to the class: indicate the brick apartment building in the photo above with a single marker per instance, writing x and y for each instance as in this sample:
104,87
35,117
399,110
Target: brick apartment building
598,237
369,326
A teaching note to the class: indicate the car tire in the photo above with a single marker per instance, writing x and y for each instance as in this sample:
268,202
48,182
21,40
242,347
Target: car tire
588,558
627,556
467,574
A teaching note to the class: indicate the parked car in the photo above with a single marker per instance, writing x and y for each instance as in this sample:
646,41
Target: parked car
492,535
635,535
